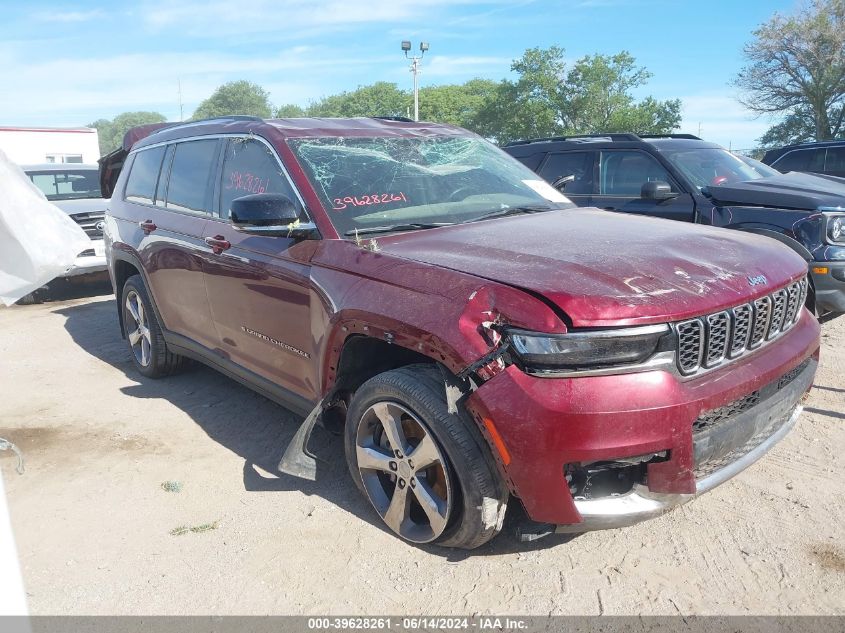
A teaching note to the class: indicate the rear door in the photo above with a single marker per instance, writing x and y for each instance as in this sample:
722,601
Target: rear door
168,189
621,176
259,286
572,174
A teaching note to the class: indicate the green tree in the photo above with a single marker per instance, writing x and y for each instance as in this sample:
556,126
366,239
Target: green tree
457,104
796,68
592,96
379,99
289,111
110,133
236,97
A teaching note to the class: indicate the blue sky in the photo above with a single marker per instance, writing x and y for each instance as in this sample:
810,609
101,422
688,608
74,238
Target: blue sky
69,63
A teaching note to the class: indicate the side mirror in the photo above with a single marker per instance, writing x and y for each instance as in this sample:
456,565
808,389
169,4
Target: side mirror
269,214
657,190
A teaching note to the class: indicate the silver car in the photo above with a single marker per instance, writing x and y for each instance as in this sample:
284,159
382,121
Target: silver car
75,189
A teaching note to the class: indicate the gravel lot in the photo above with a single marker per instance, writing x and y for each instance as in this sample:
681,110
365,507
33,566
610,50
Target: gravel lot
98,533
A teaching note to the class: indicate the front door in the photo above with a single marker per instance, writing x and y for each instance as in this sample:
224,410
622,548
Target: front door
622,174
259,287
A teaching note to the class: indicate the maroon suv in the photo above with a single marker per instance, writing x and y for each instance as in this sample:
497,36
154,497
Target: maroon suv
475,335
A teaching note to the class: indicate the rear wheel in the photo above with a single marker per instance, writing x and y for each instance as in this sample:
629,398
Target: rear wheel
143,333
427,472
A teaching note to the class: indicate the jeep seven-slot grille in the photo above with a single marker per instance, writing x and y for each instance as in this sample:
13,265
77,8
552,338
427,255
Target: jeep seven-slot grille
708,341
91,223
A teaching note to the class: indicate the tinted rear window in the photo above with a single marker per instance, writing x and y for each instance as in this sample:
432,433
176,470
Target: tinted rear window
187,189
801,160
141,184
835,159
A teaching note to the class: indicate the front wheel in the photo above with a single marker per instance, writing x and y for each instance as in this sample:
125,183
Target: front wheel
427,472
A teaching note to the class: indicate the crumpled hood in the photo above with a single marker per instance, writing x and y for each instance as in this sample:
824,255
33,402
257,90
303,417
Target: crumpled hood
604,268
794,190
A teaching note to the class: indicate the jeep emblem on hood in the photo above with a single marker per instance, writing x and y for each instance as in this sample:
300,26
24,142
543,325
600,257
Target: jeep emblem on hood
759,280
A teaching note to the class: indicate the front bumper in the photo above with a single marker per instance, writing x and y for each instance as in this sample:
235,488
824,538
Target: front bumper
548,423
756,430
91,260
829,287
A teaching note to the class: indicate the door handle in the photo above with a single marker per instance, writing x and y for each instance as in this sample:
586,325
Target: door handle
148,226
218,244
608,208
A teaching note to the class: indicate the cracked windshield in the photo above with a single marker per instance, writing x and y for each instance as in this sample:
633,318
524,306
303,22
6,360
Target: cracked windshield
378,184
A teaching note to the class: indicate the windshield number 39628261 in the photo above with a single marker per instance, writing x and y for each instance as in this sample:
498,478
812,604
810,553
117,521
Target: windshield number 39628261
341,203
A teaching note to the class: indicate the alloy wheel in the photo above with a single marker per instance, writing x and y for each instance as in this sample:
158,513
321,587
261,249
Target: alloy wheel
139,337
404,472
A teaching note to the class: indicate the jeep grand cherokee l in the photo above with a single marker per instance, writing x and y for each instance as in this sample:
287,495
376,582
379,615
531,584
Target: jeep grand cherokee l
475,336
684,178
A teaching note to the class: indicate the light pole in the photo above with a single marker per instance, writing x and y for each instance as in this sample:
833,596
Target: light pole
415,69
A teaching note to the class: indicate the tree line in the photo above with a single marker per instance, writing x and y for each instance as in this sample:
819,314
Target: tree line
548,97
794,74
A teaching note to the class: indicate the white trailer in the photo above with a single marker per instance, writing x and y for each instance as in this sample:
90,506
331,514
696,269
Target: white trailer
31,145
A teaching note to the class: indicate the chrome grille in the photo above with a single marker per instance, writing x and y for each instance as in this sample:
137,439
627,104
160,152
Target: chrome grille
91,223
742,316
778,311
706,342
690,338
793,295
762,314
718,331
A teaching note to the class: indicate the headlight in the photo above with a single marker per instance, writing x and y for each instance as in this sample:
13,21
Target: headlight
836,228
589,350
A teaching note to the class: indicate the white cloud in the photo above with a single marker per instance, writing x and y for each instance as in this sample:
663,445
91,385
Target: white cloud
67,16
62,89
722,119
293,18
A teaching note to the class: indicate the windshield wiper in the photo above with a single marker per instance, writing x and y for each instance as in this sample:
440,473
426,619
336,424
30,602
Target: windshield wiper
500,213
410,226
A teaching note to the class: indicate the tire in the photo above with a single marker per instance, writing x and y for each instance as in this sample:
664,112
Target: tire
147,346
471,511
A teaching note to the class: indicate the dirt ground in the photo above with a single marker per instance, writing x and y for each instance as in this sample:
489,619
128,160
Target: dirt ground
98,531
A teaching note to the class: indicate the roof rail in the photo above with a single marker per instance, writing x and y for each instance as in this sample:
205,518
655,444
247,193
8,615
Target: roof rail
614,136
400,119
690,137
225,117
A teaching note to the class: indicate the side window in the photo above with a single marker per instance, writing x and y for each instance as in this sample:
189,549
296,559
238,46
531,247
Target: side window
190,176
143,177
623,173
250,167
835,161
801,160
575,165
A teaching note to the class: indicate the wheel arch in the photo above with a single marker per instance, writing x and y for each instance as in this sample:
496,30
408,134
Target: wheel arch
776,233
125,265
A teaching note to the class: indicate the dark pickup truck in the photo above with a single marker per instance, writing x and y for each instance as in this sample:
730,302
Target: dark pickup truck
681,177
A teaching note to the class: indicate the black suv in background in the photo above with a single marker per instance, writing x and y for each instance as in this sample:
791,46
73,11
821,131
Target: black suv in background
681,177
826,157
